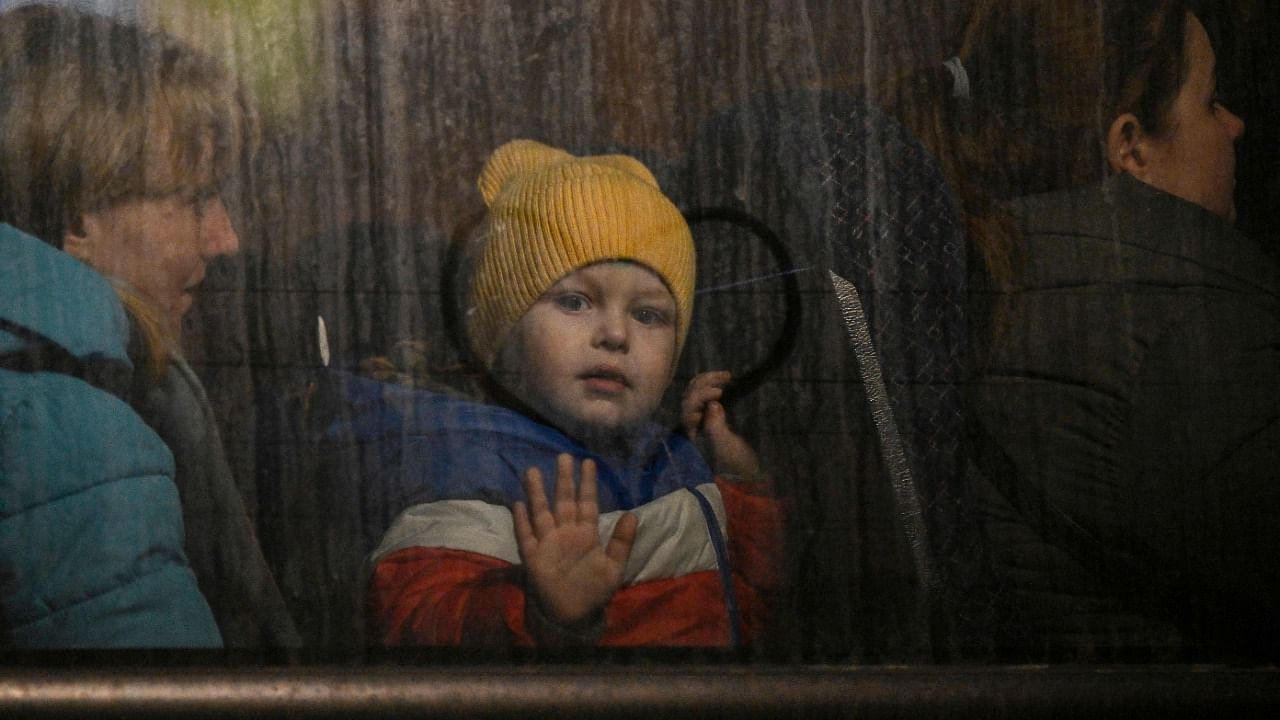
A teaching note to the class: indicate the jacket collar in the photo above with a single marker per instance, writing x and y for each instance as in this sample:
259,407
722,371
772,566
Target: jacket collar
1133,221
51,293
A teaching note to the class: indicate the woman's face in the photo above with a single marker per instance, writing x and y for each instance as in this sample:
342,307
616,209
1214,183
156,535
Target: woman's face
1195,158
158,246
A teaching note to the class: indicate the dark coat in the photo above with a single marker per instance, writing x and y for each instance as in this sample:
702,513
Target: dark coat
220,542
1126,429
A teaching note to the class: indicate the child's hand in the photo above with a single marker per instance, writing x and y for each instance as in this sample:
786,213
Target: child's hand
701,411
571,574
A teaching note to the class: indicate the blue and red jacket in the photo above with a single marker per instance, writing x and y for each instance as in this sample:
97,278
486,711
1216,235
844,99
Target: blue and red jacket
702,571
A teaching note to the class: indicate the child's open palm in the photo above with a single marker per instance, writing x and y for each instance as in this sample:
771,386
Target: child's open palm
570,572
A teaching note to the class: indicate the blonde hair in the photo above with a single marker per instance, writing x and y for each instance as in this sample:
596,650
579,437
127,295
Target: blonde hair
97,113
158,342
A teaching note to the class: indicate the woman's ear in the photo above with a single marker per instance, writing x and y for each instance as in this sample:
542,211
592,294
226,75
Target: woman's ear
76,241
1126,146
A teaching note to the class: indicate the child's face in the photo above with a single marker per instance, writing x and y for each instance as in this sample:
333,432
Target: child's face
595,353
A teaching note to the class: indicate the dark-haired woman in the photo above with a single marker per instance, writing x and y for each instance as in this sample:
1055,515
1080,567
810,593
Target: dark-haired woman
1125,429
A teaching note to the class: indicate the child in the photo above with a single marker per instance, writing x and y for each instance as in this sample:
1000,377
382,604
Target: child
579,305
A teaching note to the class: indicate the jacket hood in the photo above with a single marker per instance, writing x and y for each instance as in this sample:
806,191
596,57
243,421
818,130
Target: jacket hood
51,293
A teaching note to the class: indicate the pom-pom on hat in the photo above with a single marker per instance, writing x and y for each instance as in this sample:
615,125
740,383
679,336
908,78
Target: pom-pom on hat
551,213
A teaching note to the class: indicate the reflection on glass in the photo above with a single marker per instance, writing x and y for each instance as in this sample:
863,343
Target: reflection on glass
1034,422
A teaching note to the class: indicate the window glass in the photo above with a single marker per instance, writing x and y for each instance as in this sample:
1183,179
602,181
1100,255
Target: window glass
976,451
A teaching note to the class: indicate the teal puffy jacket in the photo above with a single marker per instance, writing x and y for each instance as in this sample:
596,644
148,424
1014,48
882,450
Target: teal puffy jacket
91,531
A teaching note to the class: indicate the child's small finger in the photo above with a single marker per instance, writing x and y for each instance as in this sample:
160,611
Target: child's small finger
690,397
525,537
715,415
702,396
716,424
532,484
588,501
717,378
691,391
539,513
712,379
698,396
689,413
732,453
566,510
624,536
691,422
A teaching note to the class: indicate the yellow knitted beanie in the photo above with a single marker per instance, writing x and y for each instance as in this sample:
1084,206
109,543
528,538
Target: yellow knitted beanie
551,213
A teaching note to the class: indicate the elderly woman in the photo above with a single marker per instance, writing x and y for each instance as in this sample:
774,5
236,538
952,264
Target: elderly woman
113,142
1125,430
